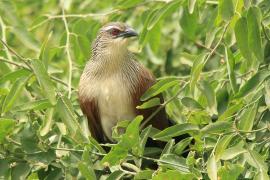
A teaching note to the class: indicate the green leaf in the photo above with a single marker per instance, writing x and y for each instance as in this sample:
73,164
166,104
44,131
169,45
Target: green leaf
254,82
34,105
44,47
79,27
115,175
254,32
41,157
150,103
191,103
226,116
210,94
47,122
4,168
212,167
162,12
6,126
189,23
145,174
262,175
172,175
173,161
29,139
20,171
247,117
4,91
14,75
232,152
226,9
230,69
222,145
230,171
86,171
191,5
84,45
256,160
216,127
13,94
176,130
168,147
159,87
180,147
154,36
26,38
66,112
145,32
267,93
196,71
129,140
44,80
128,3
143,139
241,34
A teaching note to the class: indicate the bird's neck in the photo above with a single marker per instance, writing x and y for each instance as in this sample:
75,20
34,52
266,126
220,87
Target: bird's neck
110,60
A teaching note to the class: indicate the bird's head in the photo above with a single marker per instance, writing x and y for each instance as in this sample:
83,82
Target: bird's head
114,35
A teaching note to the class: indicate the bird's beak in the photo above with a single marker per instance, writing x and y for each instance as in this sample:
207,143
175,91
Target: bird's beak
129,32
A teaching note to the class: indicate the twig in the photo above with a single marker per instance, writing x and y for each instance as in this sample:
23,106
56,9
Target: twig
80,15
77,150
16,54
26,68
67,49
218,43
209,49
13,63
4,39
131,166
252,131
127,172
13,141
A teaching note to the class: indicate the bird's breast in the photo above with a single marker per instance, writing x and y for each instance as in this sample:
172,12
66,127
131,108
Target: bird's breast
114,102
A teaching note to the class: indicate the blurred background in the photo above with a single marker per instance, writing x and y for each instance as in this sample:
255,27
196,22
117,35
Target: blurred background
210,57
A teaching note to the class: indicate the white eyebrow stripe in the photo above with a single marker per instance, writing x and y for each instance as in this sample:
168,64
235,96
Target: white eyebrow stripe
109,27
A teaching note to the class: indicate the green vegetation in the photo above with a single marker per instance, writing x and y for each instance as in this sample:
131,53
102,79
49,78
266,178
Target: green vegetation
211,58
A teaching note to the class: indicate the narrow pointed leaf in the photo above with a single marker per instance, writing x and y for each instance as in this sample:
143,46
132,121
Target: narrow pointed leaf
176,130
159,87
150,103
44,80
254,32
241,34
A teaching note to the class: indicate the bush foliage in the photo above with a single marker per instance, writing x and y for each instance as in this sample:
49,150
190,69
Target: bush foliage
211,58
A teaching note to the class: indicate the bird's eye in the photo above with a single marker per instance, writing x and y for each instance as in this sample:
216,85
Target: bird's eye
115,31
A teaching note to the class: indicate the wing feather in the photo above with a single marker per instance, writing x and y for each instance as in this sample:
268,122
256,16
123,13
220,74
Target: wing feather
90,109
146,80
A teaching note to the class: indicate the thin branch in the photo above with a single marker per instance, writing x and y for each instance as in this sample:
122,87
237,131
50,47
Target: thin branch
217,45
80,15
67,49
25,61
209,49
4,27
26,68
77,150
131,166
13,63
252,131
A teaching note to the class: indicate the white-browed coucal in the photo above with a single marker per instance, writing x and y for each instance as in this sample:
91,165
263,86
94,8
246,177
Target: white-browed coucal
113,82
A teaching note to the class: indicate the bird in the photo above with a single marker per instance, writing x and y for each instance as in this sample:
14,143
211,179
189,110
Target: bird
112,83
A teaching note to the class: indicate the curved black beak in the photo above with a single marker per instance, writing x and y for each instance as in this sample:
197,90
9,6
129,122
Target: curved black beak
129,32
